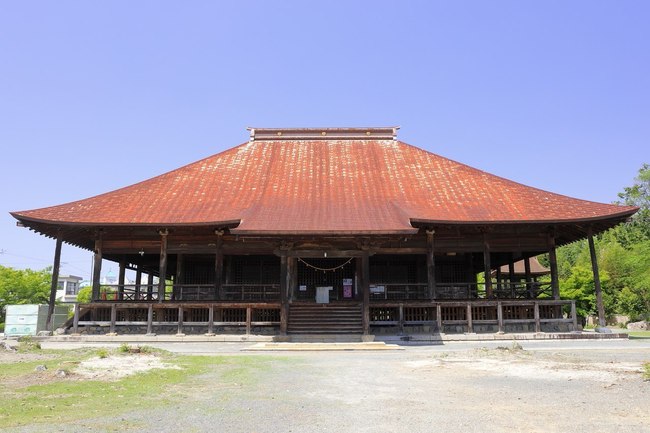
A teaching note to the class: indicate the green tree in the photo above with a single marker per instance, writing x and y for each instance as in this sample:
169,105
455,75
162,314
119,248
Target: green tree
638,228
623,257
84,295
26,286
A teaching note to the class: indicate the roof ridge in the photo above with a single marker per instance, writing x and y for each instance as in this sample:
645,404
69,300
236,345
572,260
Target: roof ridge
327,133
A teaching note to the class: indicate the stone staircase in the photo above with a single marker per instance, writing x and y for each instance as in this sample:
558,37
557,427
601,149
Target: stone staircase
325,319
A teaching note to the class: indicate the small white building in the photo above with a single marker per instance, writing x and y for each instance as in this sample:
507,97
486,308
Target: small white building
68,288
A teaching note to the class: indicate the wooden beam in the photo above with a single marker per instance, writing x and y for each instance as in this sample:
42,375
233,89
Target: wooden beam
162,273
320,253
97,266
594,266
431,265
55,278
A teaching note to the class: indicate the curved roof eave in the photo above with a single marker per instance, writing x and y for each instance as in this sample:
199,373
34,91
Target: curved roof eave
628,212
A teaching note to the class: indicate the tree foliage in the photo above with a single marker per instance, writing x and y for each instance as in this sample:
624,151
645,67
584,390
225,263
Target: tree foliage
624,261
18,286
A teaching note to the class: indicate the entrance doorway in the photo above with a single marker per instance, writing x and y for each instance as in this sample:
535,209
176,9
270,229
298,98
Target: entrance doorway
337,273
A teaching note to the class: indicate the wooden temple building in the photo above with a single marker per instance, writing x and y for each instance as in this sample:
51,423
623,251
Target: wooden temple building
323,230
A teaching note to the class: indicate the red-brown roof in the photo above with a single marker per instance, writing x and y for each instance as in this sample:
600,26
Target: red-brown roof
343,181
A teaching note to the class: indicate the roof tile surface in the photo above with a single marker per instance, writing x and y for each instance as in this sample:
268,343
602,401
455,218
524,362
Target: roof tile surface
324,186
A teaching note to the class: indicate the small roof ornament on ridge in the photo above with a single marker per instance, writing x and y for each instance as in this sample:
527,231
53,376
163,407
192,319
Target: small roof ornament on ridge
276,134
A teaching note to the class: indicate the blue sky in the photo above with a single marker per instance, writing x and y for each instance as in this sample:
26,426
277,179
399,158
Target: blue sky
98,95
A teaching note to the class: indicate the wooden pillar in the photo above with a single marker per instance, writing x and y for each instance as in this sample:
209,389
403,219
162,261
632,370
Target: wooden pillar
365,290
538,325
138,283
293,277
177,288
552,257
55,278
113,318
431,265
179,268
574,315
218,267
150,320
284,284
499,278
487,265
511,276
211,320
249,318
75,320
470,324
594,266
401,318
500,317
120,279
529,279
471,276
97,266
439,318
162,272
149,286
180,320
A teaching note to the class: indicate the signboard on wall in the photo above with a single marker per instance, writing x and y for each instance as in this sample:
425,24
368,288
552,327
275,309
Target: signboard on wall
347,287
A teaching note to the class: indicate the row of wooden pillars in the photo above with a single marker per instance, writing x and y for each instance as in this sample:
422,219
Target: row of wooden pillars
288,266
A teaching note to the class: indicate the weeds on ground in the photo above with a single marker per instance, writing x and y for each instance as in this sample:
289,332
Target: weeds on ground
515,348
646,370
125,348
28,344
103,352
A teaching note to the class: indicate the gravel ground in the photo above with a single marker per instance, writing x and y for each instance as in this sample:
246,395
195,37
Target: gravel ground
554,387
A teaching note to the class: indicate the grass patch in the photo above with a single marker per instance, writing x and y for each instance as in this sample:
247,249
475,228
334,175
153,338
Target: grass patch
29,397
646,370
638,335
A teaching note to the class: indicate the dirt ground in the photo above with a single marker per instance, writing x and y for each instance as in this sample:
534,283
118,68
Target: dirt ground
418,389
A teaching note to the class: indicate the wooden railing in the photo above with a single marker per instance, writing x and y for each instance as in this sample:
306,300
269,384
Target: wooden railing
443,291
271,292
471,313
191,292
174,314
